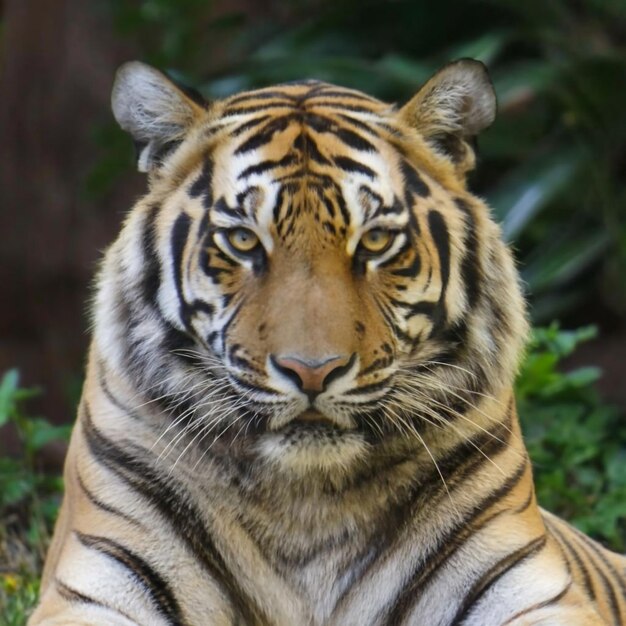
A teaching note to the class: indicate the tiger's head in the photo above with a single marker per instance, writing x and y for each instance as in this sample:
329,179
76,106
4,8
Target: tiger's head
308,273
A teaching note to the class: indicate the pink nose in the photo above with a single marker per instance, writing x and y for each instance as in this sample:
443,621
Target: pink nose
313,376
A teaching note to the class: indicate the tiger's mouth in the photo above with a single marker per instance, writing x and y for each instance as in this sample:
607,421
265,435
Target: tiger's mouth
313,416
311,420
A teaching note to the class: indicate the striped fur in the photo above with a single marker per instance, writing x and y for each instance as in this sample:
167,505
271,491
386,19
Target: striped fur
207,484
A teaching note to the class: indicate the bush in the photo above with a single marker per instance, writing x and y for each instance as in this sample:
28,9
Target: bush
29,501
577,443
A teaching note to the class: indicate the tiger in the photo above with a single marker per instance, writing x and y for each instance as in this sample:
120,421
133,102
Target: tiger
298,407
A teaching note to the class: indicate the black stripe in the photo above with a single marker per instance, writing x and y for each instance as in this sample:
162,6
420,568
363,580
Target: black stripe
462,462
174,503
411,271
377,364
418,583
397,208
177,342
599,551
471,271
202,185
541,605
495,573
153,583
341,203
359,124
439,234
262,95
229,321
308,147
591,552
109,394
527,502
329,205
101,505
202,306
178,241
72,595
319,123
413,183
230,112
572,556
280,200
344,106
242,128
404,249
151,280
390,320
377,386
416,308
354,140
264,135
270,164
350,165
328,226
250,386
221,206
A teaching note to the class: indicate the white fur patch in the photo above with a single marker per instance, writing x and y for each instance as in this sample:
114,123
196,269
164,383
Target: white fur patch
312,453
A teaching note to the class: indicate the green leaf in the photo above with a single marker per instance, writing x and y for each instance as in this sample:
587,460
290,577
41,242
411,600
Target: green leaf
42,432
616,468
8,387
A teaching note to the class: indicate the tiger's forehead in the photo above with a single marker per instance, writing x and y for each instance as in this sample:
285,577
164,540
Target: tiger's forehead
306,148
299,94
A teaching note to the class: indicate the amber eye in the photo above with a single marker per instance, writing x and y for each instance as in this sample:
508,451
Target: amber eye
242,239
376,240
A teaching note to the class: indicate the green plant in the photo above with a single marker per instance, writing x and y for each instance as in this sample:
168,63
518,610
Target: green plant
29,500
577,442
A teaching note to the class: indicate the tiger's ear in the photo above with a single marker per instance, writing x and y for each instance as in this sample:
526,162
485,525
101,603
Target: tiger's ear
153,109
452,108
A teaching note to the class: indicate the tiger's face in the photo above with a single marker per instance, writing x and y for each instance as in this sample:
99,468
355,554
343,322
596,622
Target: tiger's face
309,246
313,271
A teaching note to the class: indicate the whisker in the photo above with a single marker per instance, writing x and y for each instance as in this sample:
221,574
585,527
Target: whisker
412,430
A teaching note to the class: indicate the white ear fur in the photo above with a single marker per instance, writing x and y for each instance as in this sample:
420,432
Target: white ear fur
150,107
455,104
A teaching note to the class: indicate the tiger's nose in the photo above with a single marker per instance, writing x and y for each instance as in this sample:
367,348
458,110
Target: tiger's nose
312,376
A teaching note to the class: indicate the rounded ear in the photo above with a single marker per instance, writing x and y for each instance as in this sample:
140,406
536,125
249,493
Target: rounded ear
452,107
153,109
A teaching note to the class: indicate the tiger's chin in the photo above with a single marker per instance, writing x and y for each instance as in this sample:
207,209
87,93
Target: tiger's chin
312,445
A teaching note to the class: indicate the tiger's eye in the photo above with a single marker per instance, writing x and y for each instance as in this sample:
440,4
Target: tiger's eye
376,240
242,239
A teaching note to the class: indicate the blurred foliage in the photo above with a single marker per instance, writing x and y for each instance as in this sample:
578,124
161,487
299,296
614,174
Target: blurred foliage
551,166
577,443
29,502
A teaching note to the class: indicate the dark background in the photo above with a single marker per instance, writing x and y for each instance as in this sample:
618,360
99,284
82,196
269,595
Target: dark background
553,166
